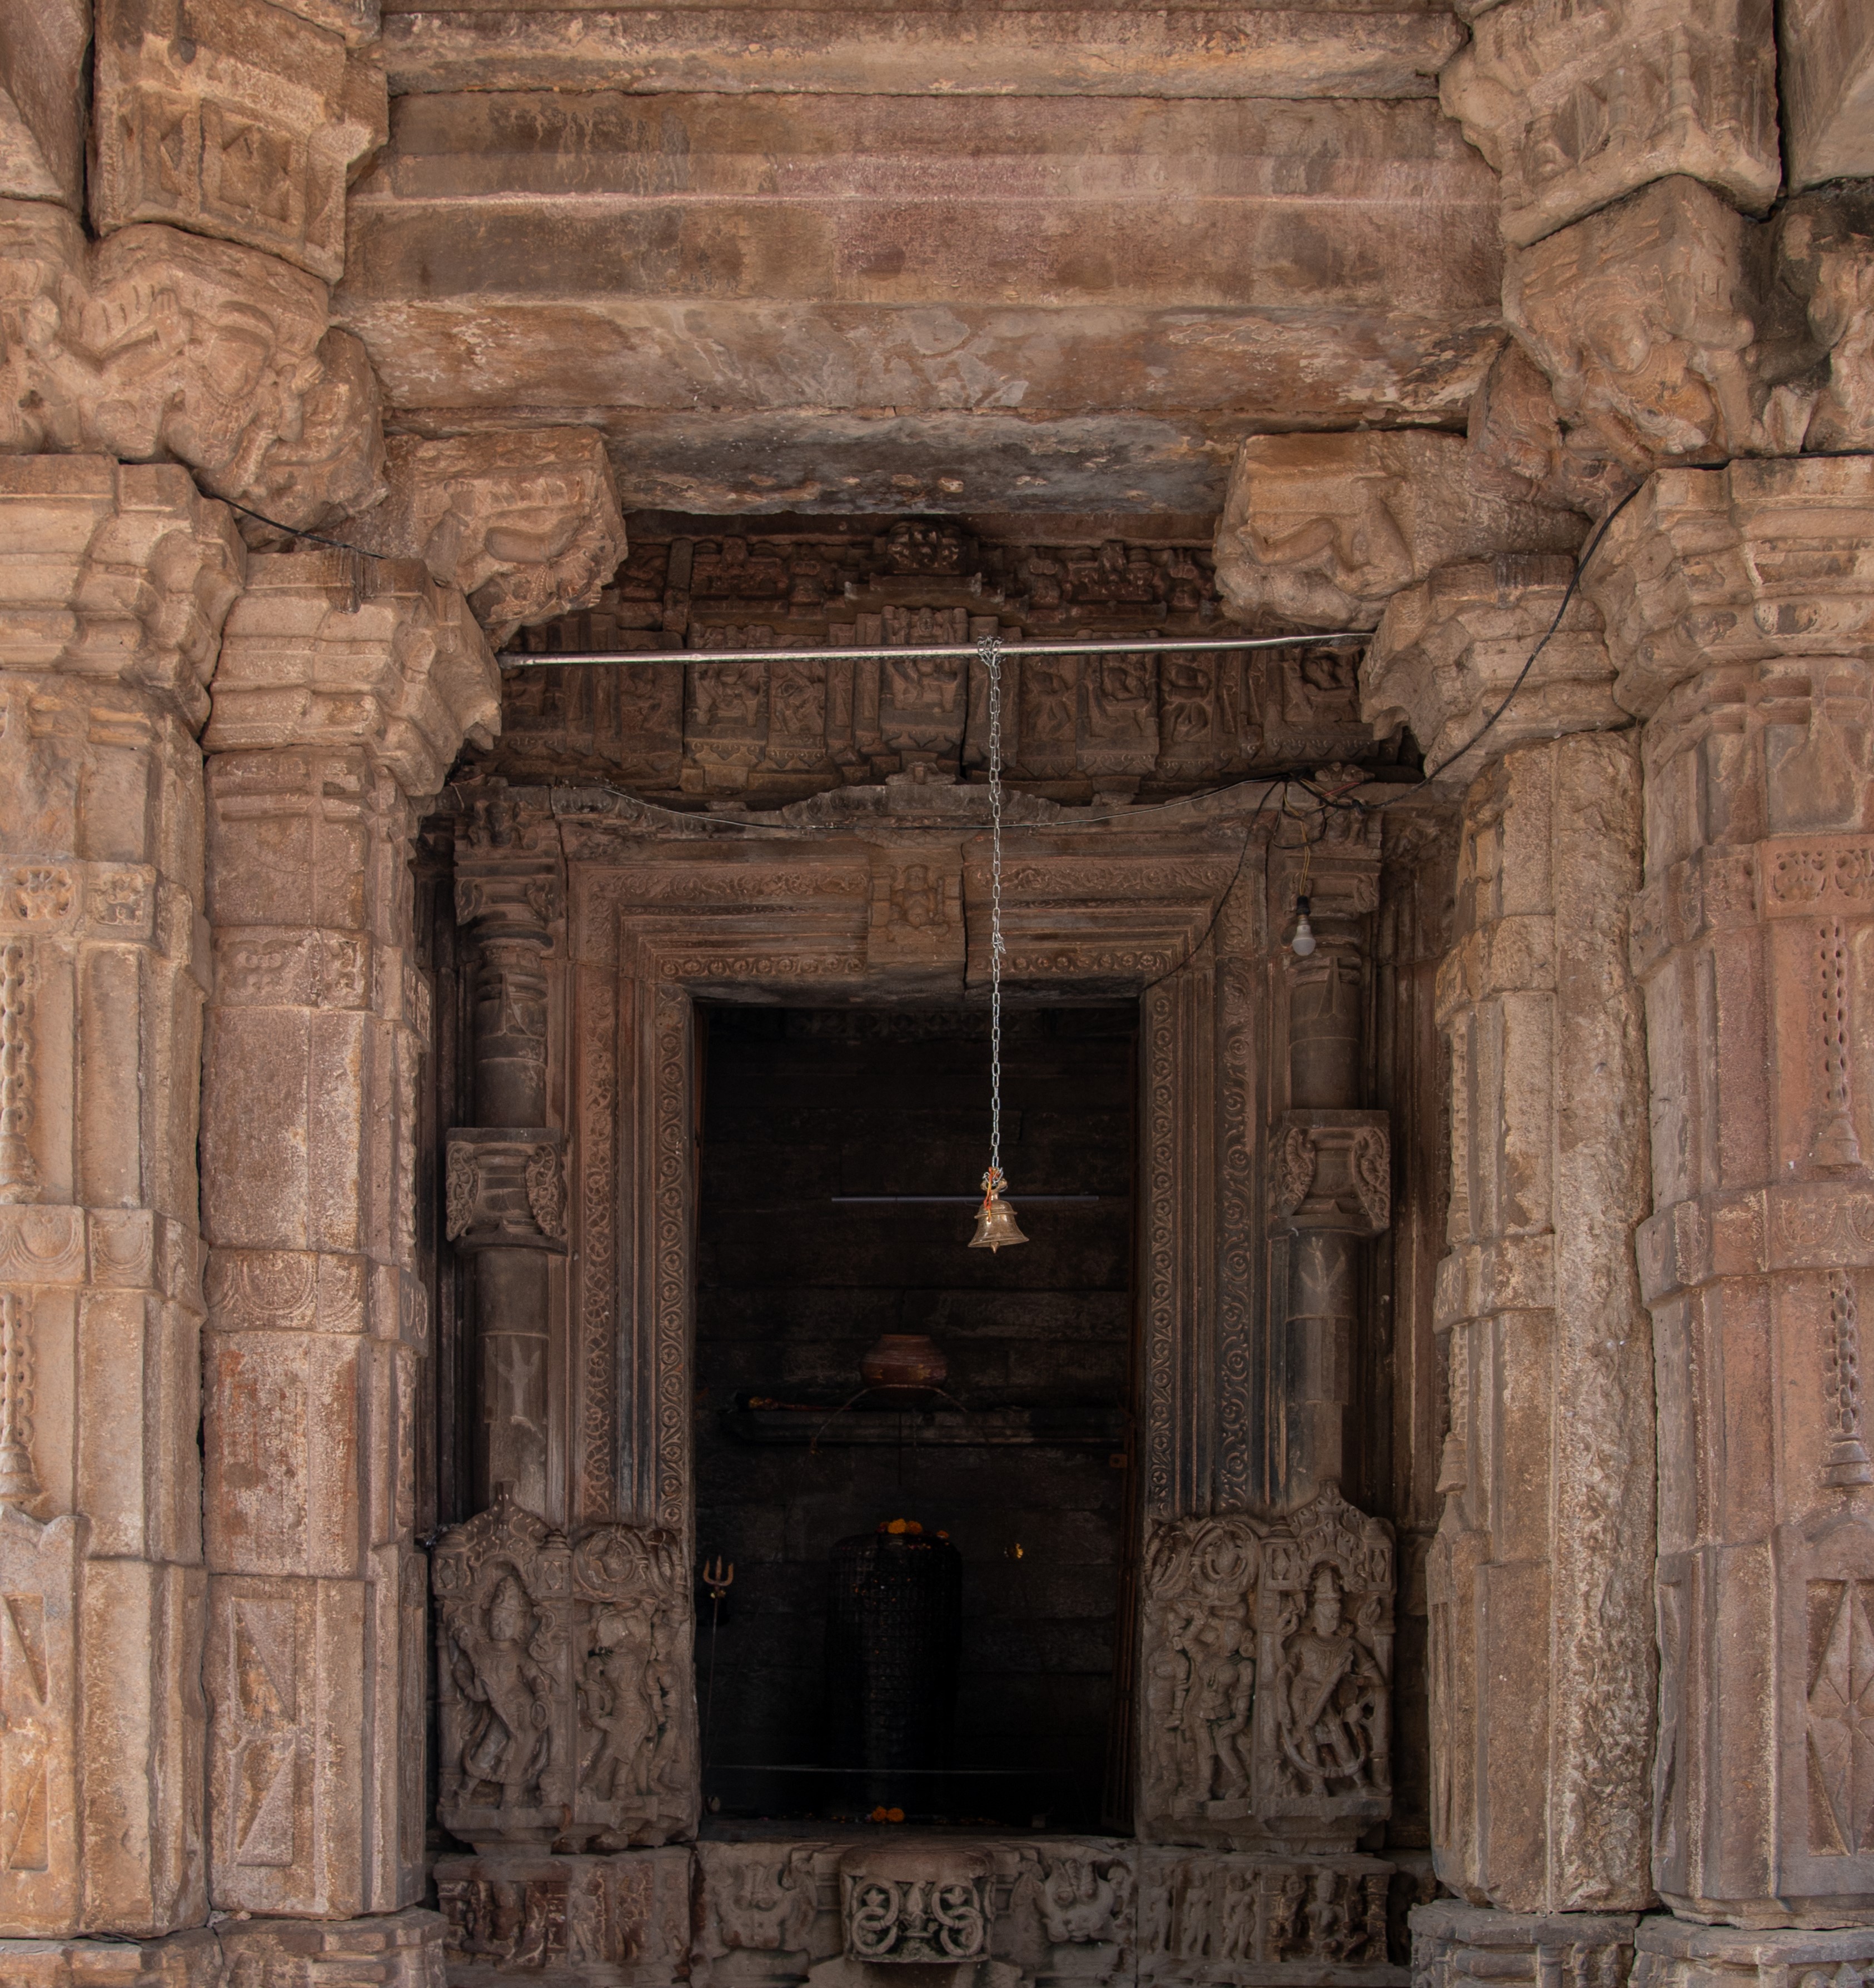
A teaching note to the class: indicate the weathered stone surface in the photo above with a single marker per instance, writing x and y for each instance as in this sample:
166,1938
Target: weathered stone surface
839,302
1732,611
235,118
1658,325
1182,53
1576,105
190,1960
1325,529
1707,569
337,699
1448,652
1452,1944
1540,1578
42,104
1827,79
113,584
159,344
526,524
1518,450
401,1949
619,1919
395,665
1669,1953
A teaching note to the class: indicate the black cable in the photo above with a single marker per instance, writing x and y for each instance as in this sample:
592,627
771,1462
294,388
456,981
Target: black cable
293,530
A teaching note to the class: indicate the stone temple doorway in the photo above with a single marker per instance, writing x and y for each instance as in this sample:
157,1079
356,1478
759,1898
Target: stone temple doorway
833,1146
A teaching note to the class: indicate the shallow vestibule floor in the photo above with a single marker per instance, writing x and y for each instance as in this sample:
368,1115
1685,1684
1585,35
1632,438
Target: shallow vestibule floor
812,1120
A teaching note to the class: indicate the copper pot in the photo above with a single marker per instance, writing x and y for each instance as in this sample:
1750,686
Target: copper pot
904,1360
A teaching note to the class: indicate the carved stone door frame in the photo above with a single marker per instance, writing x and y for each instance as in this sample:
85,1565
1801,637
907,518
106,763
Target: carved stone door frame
880,895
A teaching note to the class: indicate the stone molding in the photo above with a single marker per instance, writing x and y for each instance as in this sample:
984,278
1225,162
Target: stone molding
239,119
155,344
1672,1953
321,652
1576,106
1448,651
1325,529
1453,1944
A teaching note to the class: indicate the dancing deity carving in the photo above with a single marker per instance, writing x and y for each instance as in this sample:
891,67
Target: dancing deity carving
564,1683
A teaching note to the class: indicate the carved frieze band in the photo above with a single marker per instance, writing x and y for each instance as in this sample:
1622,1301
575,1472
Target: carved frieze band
505,1189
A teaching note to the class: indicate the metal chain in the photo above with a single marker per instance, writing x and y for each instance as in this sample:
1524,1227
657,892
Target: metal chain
989,649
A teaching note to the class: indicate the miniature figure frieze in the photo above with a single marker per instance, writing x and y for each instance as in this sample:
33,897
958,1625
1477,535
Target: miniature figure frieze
565,1702
1204,1916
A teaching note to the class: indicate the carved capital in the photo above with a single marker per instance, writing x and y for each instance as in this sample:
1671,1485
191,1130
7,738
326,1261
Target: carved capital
1741,564
1332,1171
526,524
1323,529
317,654
1576,106
113,570
1449,651
160,345
505,1190
233,118
566,1708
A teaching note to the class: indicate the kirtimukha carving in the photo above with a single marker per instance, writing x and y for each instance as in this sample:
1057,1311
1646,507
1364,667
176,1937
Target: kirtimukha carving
567,1708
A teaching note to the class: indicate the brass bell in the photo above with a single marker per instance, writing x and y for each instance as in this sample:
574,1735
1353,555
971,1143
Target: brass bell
996,1228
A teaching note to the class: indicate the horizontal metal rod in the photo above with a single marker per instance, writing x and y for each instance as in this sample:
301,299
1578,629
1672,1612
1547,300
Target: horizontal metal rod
962,1200
1113,645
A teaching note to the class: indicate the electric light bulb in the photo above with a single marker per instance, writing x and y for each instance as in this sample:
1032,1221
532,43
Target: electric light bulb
1303,943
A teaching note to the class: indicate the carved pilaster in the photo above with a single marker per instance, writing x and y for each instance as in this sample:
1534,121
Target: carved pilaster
510,899
338,702
1740,603
113,584
1541,1659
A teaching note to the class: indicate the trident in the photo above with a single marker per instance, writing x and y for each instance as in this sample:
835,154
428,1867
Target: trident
717,1578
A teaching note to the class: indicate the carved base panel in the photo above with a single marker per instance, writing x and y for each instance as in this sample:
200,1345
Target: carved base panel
393,1950
1671,1953
609,1921
1041,1911
1452,1944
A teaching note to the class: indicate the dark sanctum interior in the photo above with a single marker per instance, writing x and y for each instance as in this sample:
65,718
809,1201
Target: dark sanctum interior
840,1148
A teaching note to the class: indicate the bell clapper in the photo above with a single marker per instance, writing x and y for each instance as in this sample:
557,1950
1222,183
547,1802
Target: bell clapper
996,1225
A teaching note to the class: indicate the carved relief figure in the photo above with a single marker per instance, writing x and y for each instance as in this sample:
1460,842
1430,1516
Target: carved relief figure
616,1717
1328,1690
508,1743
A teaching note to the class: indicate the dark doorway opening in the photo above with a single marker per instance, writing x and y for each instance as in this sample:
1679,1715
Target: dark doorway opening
821,1129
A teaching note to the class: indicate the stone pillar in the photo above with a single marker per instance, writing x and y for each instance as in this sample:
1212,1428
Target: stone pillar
1330,1163
344,692
1740,609
506,1181
1540,1576
113,584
